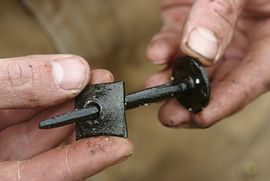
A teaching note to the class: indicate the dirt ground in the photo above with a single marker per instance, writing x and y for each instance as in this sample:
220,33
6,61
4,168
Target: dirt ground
113,34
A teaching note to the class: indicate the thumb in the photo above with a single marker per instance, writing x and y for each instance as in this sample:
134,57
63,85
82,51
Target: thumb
209,28
41,80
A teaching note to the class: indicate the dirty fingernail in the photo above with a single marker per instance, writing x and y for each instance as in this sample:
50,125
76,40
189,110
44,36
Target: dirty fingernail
69,73
204,42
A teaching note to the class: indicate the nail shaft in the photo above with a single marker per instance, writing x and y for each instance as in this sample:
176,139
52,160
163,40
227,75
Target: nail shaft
132,100
154,94
90,113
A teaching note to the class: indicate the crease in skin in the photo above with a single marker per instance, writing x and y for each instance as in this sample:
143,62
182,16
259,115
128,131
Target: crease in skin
18,170
32,74
67,161
20,81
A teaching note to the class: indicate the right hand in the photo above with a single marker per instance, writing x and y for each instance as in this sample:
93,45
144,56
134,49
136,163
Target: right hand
231,35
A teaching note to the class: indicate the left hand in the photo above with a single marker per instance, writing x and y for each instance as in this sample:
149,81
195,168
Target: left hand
34,88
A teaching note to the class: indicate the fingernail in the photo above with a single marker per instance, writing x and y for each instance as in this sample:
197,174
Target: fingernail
69,73
204,42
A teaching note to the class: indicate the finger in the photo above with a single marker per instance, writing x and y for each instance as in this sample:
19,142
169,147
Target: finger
245,83
225,67
30,139
101,76
161,77
164,46
41,80
209,28
11,117
172,114
234,54
73,162
165,75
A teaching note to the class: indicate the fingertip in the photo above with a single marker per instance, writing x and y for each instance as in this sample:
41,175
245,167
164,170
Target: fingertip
157,52
90,156
201,43
173,115
125,150
161,49
87,69
159,78
209,29
112,148
101,76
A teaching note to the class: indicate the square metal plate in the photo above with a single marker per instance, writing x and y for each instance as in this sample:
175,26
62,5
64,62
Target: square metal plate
110,98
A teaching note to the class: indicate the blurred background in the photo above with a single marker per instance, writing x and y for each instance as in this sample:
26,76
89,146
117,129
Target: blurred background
113,34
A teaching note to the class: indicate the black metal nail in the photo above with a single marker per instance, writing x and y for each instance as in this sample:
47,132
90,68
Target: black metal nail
133,100
189,85
155,94
71,117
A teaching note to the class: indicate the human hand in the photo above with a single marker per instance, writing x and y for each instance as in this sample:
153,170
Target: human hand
34,88
233,36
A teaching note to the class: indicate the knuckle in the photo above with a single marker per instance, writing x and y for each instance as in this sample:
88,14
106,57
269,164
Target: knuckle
226,10
22,79
18,76
225,7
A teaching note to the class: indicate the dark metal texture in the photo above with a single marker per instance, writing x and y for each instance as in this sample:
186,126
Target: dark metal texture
111,120
154,94
100,108
90,113
189,70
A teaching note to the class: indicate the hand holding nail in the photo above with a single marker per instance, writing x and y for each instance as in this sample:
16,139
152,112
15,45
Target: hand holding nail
230,37
100,108
34,88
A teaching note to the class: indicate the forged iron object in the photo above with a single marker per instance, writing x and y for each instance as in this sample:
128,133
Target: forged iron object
100,109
